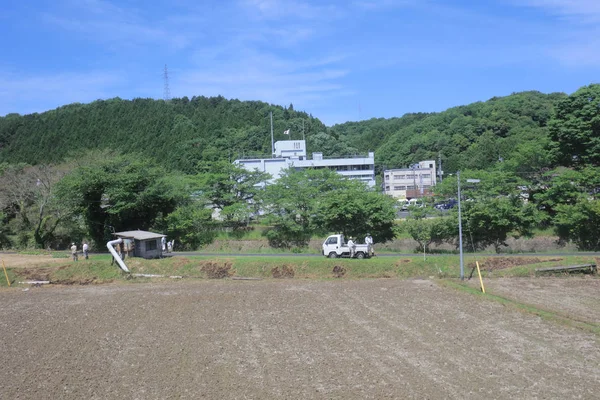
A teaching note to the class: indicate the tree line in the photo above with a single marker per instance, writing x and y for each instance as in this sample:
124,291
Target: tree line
85,171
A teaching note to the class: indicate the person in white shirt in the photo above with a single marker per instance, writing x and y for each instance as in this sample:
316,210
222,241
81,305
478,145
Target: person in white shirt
85,250
351,247
369,241
74,251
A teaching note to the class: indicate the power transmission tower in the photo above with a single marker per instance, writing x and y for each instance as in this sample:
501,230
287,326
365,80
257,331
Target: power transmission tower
167,91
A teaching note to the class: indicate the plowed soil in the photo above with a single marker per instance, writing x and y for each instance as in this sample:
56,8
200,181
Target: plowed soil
288,339
575,297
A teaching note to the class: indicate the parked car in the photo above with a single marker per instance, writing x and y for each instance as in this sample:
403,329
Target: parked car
446,205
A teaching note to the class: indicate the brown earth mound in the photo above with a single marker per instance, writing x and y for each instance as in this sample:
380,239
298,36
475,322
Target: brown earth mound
495,263
339,271
214,270
285,271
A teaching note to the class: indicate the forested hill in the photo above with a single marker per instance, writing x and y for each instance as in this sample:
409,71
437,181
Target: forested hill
512,130
178,134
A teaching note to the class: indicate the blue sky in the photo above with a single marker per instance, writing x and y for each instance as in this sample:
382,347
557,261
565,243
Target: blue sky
338,60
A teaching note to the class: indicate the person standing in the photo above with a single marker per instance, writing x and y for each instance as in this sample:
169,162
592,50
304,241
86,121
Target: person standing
351,247
85,250
163,241
74,251
369,242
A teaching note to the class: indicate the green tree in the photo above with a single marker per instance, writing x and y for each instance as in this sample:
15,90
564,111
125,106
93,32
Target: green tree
427,231
356,211
28,193
120,193
291,204
575,128
579,223
490,221
232,190
191,225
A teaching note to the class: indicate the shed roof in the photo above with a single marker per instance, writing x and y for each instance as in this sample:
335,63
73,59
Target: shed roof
139,235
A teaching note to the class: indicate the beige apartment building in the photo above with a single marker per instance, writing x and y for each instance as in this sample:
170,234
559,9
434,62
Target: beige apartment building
414,182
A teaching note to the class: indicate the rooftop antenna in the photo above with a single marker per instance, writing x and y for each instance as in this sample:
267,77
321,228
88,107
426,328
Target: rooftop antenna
167,91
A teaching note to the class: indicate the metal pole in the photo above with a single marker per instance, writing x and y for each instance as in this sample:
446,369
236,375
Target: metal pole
460,244
303,138
272,145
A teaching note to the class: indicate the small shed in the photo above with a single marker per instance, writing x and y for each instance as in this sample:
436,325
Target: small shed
141,243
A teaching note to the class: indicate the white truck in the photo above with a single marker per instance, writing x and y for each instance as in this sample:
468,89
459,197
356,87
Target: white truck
335,246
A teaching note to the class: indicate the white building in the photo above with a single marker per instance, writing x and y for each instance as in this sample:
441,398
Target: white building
410,183
292,153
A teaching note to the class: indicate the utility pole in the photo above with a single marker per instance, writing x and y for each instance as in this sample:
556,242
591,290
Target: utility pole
272,145
440,166
460,244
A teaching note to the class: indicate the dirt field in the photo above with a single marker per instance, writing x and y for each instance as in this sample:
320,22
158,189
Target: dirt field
577,297
284,339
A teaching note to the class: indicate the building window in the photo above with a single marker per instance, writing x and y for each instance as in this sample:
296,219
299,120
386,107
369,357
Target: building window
151,245
399,176
399,187
387,188
430,165
410,176
426,175
387,177
411,187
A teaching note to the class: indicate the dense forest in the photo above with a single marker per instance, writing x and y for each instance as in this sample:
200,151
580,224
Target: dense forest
180,133
82,171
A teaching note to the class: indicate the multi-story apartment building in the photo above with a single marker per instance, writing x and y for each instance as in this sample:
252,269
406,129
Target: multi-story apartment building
410,183
292,153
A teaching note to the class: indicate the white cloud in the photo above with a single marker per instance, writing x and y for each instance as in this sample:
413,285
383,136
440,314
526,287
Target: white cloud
574,42
276,9
250,74
382,4
27,94
579,10
105,22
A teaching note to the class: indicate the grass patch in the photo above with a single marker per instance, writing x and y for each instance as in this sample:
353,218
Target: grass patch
98,269
547,315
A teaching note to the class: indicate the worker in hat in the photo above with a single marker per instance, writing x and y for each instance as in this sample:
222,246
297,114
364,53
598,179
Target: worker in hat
351,247
74,251
369,243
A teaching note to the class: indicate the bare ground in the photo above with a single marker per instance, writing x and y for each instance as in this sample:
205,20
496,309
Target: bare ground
577,297
284,339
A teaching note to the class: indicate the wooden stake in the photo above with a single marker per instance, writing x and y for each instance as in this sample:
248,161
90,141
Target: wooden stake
480,280
5,274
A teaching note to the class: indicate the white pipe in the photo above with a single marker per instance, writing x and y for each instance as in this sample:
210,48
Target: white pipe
116,255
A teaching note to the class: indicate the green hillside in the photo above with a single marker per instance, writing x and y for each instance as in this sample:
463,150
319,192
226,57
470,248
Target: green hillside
177,134
512,129
182,132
